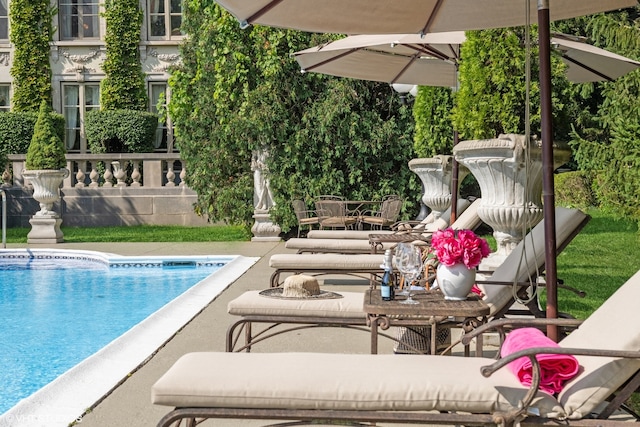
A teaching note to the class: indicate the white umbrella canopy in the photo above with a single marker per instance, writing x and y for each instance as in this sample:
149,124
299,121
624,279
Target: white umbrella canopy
392,58
404,16
588,63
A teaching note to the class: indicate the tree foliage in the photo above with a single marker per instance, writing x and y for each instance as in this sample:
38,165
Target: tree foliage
607,140
492,96
432,112
239,90
124,84
31,32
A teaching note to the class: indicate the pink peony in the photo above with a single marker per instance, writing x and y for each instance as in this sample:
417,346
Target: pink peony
463,246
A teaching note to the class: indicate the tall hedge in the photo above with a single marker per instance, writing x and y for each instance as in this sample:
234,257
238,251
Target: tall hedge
432,110
240,90
31,32
124,84
16,130
115,131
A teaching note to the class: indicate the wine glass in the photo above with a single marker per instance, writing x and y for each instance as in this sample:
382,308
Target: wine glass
401,250
409,261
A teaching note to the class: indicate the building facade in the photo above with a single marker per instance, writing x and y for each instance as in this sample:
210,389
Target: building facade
78,50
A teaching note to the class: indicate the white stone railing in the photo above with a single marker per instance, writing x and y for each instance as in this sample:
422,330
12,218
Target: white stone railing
150,170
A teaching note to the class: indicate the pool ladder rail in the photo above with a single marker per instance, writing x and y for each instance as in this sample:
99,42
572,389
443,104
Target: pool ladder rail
4,218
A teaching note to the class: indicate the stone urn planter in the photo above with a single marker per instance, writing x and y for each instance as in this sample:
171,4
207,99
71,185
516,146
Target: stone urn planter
45,224
45,169
509,172
435,174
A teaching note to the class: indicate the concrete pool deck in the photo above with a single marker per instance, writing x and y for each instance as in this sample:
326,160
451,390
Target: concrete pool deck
129,404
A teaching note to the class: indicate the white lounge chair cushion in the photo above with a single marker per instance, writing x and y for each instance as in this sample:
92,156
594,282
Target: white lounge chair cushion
613,326
345,234
309,262
332,245
339,382
252,303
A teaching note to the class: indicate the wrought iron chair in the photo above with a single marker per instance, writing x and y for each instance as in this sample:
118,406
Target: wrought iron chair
386,216
333,214
306,218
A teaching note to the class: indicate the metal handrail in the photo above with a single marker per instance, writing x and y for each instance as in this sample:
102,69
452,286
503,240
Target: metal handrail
4,218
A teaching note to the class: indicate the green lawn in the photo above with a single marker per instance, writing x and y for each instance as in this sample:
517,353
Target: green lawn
143,233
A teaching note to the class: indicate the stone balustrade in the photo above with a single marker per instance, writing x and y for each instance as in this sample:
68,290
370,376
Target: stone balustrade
152,170
110,189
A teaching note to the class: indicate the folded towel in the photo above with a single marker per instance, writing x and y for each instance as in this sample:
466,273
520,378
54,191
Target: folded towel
555,369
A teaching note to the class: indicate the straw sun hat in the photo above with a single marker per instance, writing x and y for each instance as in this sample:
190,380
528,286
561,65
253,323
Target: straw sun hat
299,286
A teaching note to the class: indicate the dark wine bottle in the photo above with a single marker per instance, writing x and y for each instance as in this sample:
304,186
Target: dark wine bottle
387,290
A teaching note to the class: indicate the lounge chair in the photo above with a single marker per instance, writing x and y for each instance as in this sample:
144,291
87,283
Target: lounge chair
468,219
499,288
330,263
438,390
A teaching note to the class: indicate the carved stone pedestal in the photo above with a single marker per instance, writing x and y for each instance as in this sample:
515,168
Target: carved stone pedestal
45,229
435,174
264,230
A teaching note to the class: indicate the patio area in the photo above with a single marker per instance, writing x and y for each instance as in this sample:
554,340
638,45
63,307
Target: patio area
130,403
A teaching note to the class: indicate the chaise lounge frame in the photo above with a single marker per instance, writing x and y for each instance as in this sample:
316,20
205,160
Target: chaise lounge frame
307,387
347,312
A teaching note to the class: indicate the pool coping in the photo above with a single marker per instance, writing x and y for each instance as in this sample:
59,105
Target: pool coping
67,397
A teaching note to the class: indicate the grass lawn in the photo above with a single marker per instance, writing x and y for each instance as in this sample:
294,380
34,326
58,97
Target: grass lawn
143,233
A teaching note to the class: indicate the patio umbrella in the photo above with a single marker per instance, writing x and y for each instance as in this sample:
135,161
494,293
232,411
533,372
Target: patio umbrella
587,63
430,60
425,16
405,16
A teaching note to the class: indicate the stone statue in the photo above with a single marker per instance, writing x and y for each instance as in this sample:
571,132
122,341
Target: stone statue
262,197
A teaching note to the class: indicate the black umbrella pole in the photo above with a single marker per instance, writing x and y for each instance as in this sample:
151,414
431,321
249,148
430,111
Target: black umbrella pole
548,197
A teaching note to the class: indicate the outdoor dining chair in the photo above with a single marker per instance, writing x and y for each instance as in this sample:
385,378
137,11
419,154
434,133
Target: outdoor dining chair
305,217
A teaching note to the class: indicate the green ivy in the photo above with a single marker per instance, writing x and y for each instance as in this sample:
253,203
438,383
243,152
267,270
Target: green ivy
124,84
46,150
31,32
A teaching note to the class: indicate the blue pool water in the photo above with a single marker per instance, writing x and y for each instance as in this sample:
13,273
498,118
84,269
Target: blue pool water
57,310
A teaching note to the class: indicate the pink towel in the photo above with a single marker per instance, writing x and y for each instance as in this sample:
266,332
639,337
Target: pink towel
555,369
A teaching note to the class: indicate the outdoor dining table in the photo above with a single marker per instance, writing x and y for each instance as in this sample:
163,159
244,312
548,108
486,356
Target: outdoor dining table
431,309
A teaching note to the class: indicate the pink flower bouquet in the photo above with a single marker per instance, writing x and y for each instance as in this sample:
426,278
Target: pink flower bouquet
462,246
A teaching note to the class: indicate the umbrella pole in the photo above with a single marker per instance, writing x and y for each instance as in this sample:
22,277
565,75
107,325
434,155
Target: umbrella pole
548,197
454,183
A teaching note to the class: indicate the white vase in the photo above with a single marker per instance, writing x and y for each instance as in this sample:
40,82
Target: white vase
455,281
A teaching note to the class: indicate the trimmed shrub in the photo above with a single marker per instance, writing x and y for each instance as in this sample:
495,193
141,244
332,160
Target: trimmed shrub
46,150
574,189
16,130
120,131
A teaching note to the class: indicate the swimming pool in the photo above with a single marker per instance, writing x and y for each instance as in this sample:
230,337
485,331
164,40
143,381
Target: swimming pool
75,323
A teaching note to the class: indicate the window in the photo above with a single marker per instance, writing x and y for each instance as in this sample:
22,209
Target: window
77,100
5,100
79,19
158,96
165,19
4,20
